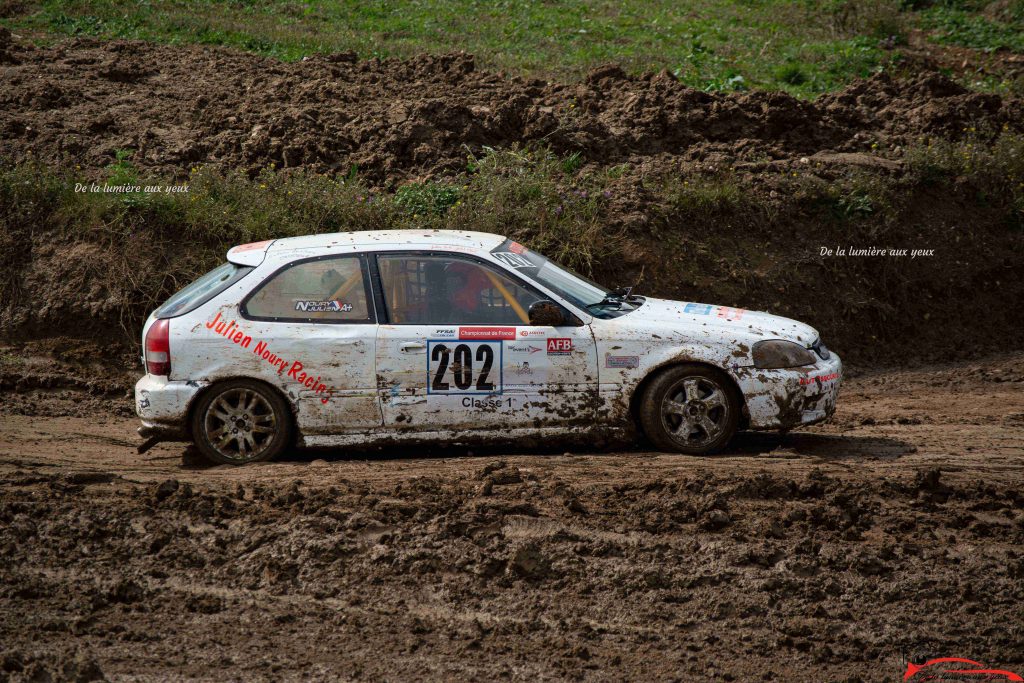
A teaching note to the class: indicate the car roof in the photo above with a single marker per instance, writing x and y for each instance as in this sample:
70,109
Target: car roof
387,239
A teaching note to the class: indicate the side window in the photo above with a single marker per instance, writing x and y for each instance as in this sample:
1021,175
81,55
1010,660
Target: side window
328,290
444,290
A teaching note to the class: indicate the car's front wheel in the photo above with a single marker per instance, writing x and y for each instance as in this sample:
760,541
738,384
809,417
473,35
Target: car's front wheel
690,409
241,421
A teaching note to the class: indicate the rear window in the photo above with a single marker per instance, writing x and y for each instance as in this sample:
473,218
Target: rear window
322,289
202,290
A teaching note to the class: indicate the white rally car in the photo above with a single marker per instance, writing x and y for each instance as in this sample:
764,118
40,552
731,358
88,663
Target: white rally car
356,338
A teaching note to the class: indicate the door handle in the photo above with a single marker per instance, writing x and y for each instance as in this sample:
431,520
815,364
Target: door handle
413,346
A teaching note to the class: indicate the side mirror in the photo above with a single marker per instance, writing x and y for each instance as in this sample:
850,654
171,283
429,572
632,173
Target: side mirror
546,312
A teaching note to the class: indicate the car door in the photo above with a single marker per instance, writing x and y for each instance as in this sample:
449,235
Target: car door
457,350
315,331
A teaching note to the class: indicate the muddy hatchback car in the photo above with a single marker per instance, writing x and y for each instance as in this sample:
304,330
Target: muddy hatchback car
369,337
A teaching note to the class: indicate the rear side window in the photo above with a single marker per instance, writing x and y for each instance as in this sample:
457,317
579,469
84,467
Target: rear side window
202,290
317,290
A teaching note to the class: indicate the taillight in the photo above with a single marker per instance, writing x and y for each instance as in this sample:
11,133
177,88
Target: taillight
158,348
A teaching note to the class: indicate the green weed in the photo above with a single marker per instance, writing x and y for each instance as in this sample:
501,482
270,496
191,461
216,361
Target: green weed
708,195
525,194
988,165
424,199
956,26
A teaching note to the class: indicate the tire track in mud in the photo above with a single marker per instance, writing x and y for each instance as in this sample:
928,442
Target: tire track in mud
895,530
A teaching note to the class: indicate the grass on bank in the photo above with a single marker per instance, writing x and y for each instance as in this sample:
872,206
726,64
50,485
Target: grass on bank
523,194
152,244
982,25
804,47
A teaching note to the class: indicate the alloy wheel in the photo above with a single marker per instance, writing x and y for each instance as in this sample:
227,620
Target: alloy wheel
240,424
695,411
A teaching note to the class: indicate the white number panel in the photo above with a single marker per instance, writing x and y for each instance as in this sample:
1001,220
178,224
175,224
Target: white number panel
464,367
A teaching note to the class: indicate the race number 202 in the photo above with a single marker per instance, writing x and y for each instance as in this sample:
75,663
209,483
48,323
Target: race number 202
464,367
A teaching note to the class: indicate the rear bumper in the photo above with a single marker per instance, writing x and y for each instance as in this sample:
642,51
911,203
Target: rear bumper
162,405
793,397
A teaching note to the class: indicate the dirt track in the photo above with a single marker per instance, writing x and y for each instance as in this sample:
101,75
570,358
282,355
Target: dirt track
828,555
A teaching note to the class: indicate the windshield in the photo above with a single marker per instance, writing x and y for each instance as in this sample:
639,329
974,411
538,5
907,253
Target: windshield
586,294
202,290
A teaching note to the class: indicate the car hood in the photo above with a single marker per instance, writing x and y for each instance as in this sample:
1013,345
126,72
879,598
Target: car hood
732,323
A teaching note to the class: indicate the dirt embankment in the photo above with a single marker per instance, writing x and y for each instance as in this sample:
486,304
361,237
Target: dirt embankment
80,101
838,554
176,107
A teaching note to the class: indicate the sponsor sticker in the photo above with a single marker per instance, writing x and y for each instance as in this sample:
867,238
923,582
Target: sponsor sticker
231,331
730,313
524,348
516,248
559,346
522,369
446,333
726,312
512,259
627,362
487,333
323,306
820,378
698,309
532,333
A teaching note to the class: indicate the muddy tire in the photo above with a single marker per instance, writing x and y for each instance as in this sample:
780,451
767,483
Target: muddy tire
241,421
690,409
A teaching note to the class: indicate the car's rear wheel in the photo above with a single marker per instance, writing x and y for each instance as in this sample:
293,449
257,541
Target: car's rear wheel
690,409
241,421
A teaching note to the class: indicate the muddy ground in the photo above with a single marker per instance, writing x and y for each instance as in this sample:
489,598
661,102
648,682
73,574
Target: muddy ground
835,553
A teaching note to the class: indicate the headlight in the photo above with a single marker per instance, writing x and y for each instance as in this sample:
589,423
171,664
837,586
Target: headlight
776,353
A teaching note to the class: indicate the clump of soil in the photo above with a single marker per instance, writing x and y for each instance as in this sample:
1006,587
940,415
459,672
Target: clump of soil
397,119
57,665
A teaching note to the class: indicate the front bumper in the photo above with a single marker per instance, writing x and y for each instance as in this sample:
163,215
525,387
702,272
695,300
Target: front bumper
163,404
784,399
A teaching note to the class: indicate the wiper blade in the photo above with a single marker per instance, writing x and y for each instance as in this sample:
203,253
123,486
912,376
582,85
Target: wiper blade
607,301
616,297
